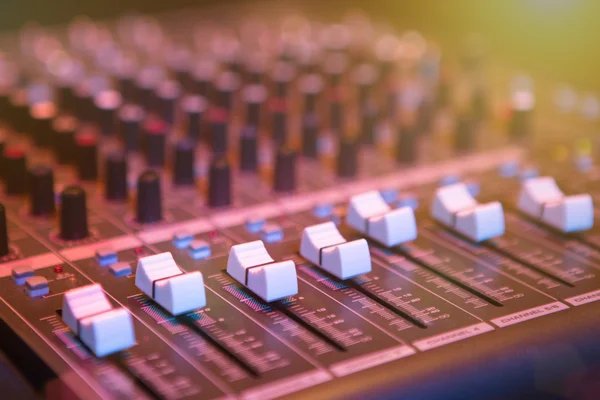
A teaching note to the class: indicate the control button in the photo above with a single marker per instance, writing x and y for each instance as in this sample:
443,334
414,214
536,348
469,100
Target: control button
509,169
130,119
408,200
465,134
248,149
41,191
347,161
115,180
199,249
540,198
454,207
21,273
324,246
4,249
285,170
194,108
255,224
407,146
323,210
160,278
272,233
184,163
370,214
106,256
120,268
219,142
390,195
64,127
528,173
90,316
474,188
155,142
149,202
73,214
36,286
251,265
310,136
219,183
182,239
584,163
86,155
14,171
448,180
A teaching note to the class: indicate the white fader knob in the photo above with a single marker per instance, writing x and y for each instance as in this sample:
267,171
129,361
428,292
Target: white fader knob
369,213
456,208
160,278
102,328
324,246
251,265
541,199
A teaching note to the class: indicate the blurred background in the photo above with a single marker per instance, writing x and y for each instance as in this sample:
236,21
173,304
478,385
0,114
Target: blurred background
555,39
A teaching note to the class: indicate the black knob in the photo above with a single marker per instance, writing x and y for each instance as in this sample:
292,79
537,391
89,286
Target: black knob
465,133
3,232
227,83
107,102
194,108
311,87
368,125
218,140
73,214
42,114
285,170
184,161
310,135
41,191
407,149
279,122
167,94
202,75
254,97
520,123
130,118
248,149
64,126
425,116
115,179
347,161
86,155
154,142
283,73
15,171
219,183
336,115
149,202
147,80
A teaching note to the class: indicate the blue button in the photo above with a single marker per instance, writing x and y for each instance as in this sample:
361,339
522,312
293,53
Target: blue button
323,210
272,233
584,163
389,195
254,225
408,200
449,180
474,188
509,169
106,256
529,173
37,286
120,269
199,249
182,239
21,273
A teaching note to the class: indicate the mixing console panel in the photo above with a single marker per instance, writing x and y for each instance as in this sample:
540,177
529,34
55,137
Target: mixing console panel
277,207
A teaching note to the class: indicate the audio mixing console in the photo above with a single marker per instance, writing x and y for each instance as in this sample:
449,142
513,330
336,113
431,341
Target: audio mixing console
281,206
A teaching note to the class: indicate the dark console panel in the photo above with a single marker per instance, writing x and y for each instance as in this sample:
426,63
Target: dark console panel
283,206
